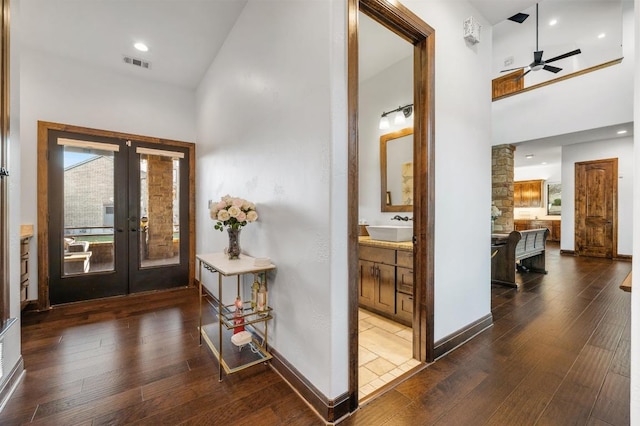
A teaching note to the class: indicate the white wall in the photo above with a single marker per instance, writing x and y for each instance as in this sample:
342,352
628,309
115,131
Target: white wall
64,91
385,91
620,148
272,129
571,105
463,166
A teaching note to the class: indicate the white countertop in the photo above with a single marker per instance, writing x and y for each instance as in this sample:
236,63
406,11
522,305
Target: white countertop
221,263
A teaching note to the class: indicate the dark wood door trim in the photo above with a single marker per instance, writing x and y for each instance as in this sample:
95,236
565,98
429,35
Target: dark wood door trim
580,206
43,197
5,307
409,26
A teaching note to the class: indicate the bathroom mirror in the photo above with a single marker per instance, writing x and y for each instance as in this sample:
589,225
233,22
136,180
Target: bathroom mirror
396,171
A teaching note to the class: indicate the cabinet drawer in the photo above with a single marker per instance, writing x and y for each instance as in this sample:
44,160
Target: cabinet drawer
404,280
404,303
376,254
405,259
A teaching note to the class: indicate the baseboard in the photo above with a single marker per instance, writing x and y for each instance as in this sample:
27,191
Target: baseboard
10,385
330,410
568,252
624,257
452,341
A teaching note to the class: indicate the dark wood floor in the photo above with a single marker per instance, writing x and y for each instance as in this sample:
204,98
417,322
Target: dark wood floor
558,354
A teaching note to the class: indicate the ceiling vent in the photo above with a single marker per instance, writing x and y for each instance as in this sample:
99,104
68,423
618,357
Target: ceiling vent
136,62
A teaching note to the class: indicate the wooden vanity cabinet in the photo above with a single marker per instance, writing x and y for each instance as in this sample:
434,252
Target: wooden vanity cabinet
377,279
386,282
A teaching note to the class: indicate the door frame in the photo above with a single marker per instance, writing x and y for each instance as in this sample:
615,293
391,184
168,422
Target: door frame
43,196
413,29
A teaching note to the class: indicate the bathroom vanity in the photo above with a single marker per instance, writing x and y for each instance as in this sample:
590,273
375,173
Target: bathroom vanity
386,278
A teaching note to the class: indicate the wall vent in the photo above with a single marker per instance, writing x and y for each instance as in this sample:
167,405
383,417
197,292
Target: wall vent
136,62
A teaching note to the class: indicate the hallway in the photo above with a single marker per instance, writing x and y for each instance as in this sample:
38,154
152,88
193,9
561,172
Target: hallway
558,353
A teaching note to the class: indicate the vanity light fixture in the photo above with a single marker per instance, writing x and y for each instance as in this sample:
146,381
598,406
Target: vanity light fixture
402,113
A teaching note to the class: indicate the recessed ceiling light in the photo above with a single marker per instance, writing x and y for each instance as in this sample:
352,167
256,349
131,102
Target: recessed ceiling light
602,35
528,156
622,132
543,163
141,47
553,22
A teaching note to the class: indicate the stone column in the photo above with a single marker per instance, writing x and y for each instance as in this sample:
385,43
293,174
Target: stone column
160,209
502,186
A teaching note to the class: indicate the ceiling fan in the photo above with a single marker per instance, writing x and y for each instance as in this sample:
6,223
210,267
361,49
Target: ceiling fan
539,63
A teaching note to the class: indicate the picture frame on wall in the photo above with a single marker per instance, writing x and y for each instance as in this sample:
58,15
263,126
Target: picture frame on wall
554,199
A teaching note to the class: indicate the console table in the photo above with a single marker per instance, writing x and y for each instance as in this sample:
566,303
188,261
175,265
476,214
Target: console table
234,359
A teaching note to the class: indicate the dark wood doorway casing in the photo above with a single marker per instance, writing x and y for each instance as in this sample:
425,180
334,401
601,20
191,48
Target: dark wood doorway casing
43,195
596,208
410,27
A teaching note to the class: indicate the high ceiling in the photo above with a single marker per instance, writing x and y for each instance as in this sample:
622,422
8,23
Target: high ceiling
183,35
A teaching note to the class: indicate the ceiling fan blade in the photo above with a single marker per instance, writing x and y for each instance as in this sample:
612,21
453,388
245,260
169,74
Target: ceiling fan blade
566,55
512,69
521,76
537,56
552,69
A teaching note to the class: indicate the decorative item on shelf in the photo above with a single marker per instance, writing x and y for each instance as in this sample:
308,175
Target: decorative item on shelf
238,319
234,213
254,292
262,297
495,213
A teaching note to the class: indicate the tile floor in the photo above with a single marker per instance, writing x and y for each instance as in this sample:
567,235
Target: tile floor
384,353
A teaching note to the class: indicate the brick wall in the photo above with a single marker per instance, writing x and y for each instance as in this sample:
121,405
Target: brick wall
160,207
88,187
502,186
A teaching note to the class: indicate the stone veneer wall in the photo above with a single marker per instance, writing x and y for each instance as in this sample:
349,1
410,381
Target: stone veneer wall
160,187
502,186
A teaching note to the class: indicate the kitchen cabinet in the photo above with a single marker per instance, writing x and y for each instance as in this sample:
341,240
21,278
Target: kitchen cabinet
553,226
527,193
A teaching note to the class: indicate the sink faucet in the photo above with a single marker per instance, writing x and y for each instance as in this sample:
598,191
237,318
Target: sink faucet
398,217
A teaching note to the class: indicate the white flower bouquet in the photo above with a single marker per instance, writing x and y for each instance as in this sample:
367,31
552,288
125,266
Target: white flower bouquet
233,212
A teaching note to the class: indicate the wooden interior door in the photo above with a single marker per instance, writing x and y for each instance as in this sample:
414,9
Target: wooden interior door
596,209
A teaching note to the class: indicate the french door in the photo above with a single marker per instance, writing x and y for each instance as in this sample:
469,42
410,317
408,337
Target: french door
118,212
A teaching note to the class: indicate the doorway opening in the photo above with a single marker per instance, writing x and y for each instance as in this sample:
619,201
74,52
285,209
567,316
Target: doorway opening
115,214
412,29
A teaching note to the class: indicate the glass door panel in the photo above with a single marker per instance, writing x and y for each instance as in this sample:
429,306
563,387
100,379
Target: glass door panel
159,208
88,234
